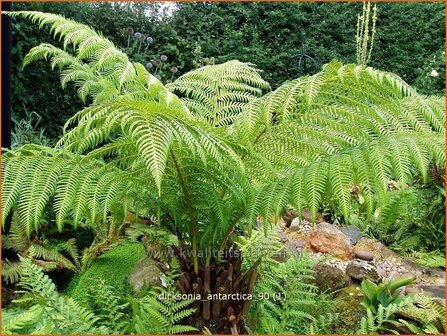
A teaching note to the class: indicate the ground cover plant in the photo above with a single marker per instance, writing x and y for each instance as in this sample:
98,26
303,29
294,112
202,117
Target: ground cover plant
214,159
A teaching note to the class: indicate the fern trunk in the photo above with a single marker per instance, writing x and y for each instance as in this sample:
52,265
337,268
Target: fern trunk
222,287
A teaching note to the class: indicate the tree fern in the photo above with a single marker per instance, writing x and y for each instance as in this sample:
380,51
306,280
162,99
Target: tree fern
344,139
139,147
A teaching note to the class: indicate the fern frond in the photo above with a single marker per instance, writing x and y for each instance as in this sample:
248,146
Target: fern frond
14,321
11,271
47,311
218,93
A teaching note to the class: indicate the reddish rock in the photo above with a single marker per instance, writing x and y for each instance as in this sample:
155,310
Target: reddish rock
326,238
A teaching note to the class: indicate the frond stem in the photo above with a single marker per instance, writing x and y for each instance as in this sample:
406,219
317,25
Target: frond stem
192,218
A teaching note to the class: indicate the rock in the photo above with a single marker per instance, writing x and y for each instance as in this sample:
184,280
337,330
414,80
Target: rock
283,237
381,272
289,216
330,278
434,291
412,290
306,215
361,270
380,251
326,238
296,223
299,243
284,254
364,255
394,275
145,273
349,306
352,232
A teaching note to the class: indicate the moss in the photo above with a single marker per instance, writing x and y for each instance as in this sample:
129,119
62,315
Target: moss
330,278
349,305
114,267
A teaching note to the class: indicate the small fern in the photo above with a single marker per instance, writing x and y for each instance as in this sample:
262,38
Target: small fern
429,259
157,315
107,306
419,314
161,311
49,254
285,299
43,310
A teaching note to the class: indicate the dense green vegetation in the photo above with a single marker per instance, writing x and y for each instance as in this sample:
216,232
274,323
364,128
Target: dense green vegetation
195,168
274,36
113,268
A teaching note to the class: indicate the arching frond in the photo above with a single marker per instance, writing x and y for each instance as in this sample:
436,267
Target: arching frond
60,176
98,68
321,138
339,88
218,93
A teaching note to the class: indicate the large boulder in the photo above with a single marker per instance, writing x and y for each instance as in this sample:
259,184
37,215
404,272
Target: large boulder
327,238
145,273
329,278
361,270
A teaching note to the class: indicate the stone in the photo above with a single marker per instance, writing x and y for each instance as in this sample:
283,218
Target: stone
296,223
412,290
299,243
380,251
381,272
364,255
349,305
352,232
326,238
394,275
145,273
289,216
329,278
434,291
284,254
361,270
306,215
283,237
